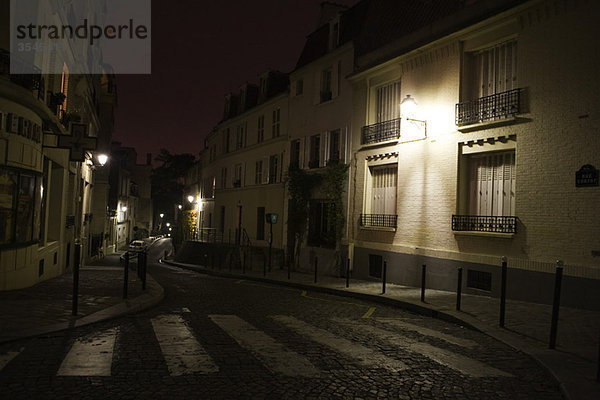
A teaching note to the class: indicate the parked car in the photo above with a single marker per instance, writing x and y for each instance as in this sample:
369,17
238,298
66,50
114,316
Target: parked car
137,246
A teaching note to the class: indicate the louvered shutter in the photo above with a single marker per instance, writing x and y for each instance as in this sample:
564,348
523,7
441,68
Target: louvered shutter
265,170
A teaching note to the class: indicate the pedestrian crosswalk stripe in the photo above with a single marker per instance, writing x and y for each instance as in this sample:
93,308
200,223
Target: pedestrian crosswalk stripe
274,355
6,358
90,357
364,355
182,352
460,363
428,332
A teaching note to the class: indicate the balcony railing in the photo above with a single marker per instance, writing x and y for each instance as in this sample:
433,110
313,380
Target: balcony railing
382,131
489,108
481,223
379,220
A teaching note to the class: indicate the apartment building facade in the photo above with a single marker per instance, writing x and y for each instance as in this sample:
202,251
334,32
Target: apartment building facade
498,158
51,126
243,166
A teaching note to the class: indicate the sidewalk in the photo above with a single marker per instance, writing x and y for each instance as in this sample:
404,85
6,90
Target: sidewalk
47,306
574,362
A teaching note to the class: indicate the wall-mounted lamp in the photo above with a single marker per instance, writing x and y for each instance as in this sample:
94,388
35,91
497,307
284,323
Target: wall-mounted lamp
102,159
190,198
179,206
168,224
161,215
124,208
408,106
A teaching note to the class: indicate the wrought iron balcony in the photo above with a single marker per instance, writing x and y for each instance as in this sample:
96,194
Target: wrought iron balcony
489,108
381,131
379,220
483,223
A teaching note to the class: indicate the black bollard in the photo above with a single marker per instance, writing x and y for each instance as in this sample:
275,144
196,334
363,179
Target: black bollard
556,304
423,275
316,262
348,273
264,267
244,264
503,293
144,267
166,252
77,257
459,289
384,277
289,270
598,373
125,273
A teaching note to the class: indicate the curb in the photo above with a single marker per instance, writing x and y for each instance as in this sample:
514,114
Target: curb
441,313
154,294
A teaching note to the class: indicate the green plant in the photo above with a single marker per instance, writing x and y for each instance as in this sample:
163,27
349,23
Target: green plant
301,185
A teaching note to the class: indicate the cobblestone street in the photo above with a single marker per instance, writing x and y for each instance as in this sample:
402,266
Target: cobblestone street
224,338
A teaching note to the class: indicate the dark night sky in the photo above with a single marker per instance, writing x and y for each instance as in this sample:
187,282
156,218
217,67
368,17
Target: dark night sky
201,50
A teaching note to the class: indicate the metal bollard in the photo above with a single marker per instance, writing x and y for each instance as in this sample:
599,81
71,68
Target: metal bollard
459,289
264,267
423,275
348,273
384,277
126,274
244,264
556,304
76,262
144,267
598,373
289,270
316,262
503,293
166,252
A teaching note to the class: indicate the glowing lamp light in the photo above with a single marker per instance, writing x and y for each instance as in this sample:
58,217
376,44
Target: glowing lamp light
123,208
179,206
408,106
190,198
168,224
161,215
102,159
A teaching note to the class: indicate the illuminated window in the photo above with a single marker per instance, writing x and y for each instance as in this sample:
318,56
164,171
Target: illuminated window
492,184
387,102
491,70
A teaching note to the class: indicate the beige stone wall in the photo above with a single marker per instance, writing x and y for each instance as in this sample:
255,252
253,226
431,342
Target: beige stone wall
555,136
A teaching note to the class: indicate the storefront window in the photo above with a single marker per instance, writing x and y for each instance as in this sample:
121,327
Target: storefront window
19,206
8,184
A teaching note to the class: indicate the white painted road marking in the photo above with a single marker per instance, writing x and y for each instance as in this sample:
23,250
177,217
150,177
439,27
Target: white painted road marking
460,363
364,355
182,352
428,332
6,358
275,356
90,357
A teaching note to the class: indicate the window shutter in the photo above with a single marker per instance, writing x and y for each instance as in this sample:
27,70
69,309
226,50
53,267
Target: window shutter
317,88
335,71
324,149
265,170
344,145
302,144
